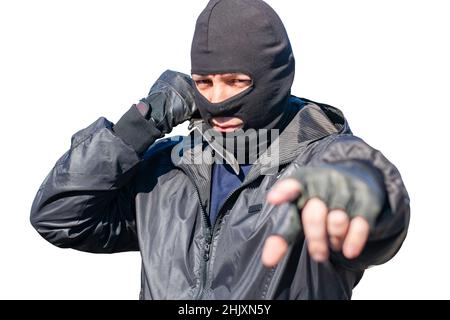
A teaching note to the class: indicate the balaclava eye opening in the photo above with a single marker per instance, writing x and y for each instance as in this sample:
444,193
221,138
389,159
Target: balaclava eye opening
244,36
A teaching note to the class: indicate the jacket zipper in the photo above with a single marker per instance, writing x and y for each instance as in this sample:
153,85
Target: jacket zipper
214,230
210,232
218,222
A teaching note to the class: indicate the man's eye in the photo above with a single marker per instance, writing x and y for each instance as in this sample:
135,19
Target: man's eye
241,82
202,82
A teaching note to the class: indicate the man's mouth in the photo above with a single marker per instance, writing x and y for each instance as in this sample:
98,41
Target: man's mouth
227,128
226,124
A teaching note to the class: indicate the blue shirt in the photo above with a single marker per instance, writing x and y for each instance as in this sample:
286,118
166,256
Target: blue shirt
224,181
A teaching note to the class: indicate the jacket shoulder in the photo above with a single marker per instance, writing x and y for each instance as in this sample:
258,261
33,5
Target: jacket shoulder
334,115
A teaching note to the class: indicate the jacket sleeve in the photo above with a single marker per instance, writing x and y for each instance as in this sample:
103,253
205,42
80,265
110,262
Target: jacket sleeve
86,202
391,225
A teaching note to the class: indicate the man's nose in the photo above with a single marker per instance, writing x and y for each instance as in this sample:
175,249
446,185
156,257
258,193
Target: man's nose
217,94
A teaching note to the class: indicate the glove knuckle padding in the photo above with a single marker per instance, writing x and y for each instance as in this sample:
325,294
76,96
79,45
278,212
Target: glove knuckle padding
365,203
340,188
340,193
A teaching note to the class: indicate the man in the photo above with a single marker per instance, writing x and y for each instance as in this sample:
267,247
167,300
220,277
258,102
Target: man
211,216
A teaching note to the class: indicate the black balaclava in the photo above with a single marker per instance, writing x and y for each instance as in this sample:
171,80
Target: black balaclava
244,36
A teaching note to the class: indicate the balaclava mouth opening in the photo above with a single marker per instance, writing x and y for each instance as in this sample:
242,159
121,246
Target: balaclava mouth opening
244,36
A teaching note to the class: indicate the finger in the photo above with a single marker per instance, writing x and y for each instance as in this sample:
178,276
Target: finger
337,227
274,250
356,239
314,219
283,191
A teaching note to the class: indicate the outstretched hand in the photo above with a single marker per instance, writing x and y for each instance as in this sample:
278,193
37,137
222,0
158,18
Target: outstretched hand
321,227
338,204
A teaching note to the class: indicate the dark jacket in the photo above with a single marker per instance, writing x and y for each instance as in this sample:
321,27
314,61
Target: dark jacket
103,197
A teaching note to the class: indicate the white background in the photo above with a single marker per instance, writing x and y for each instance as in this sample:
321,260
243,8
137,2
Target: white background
63,64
